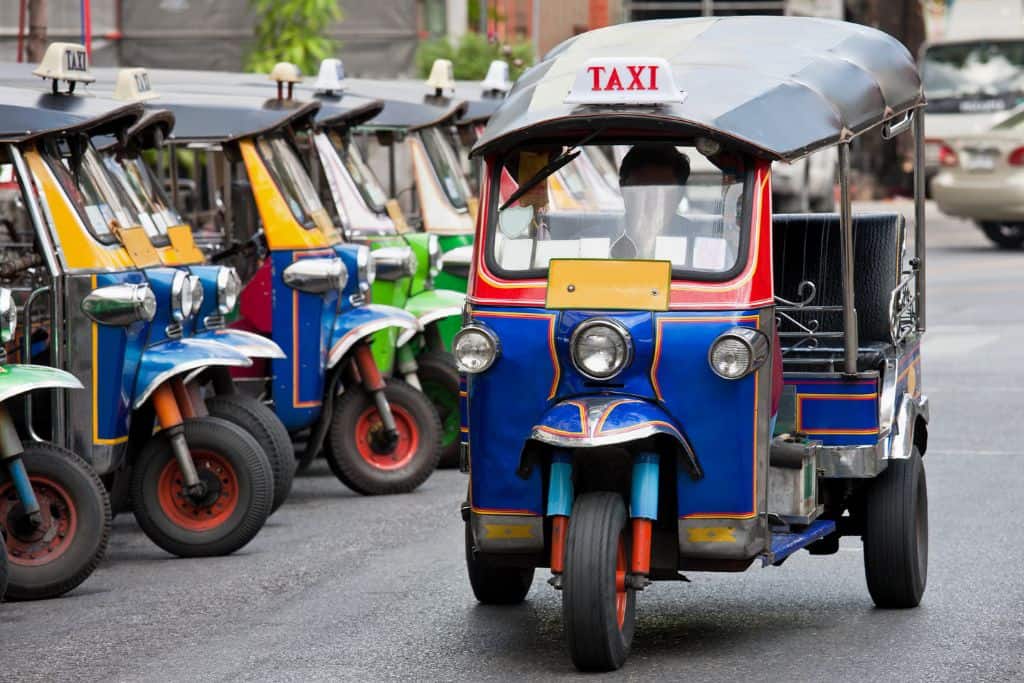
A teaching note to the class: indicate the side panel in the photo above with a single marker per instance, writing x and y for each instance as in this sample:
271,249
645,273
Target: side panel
835,411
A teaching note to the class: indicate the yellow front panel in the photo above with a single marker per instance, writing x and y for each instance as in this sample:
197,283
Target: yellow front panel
609,284
183,245
140,249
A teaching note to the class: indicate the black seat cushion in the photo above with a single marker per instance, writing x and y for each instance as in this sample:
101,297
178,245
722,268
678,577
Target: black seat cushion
808,247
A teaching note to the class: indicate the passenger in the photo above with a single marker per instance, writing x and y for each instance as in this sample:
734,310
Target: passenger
652,179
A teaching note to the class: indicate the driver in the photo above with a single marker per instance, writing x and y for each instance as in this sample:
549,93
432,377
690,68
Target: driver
652,180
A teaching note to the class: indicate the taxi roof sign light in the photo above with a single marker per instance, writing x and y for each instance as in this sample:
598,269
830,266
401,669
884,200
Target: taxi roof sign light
285,72
625,80
133,85
65,62
331,77
442,77
496,81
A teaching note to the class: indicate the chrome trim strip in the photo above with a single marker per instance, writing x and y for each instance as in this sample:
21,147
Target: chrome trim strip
68,381
343,345
537,434
184,368
431,316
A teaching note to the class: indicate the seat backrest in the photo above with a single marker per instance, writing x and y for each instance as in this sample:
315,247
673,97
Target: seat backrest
808,247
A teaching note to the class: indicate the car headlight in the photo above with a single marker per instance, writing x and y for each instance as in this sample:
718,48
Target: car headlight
181,296
197,294
229,286
738,352
8,316
316,275
601,348
475,348
436,258
118,304
367,268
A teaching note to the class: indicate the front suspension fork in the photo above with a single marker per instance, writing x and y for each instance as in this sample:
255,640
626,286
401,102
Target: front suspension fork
173,403
407,366
369,374
10,453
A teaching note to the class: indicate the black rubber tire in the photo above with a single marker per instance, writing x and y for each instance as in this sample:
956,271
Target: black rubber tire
255,417
359,475
3,568
438,368
493,584
596,642
119,489
1004,235
255,489
896,534
89,544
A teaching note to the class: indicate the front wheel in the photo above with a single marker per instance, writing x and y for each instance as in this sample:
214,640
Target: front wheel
495,585
896,534
55,556
1004,235
440,381
360,454
598,608
239,483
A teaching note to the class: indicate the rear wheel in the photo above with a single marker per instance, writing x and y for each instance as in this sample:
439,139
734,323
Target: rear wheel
598,608
118,484
896,534
440,381
496,585
239,482
1004,235
51,558
359,454
256,418
3,568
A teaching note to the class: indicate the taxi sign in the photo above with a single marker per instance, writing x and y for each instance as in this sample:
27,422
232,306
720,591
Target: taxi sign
442,77
496,79
133,85
331,78
285,72
625,80
65,62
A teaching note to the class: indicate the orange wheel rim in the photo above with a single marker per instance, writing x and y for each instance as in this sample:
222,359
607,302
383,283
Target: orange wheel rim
215,509
621,594
35,546
368,431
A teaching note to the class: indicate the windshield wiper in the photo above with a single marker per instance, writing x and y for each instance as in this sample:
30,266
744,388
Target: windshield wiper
558,162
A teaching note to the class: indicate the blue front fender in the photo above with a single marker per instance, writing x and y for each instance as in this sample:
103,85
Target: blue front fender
248,343
592,421
177,356
363,321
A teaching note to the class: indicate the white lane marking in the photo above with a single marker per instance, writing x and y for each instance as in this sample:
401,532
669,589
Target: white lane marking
973,452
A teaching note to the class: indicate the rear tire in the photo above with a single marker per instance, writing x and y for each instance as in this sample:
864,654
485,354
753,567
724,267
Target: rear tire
119,489
496,585
896,534
256,418
440,381
241,482
1004,235
352,456
3,568
51,560
598,609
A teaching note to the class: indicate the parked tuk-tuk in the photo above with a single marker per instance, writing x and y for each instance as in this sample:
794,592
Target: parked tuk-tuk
100,305
699,384
253,205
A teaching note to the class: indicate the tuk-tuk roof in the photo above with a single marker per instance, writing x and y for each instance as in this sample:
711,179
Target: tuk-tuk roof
406,105
27,113
142,132
779,86
479,111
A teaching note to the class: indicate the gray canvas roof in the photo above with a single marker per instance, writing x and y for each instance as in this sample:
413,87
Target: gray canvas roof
27,113
779,86
406,105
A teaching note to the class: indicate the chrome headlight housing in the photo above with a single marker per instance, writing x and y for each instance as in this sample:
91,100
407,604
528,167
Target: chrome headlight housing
197,294
316,275
475,348
8,316
601,348
181,296
738,352
393,263
119,304
434,256
367,268
229,287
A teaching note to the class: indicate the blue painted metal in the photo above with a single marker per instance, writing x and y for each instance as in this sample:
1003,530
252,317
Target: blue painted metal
785,544
643,501
835,410
361,322
22,484
560,495
176,356
603,419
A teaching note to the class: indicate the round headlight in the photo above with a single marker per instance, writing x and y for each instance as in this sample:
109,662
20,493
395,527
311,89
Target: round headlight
738,352
601,348
8,316
181,296
229,286
435,255
475,348
367,269
197,294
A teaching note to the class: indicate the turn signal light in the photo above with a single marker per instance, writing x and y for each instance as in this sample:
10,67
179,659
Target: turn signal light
947,157
1016,157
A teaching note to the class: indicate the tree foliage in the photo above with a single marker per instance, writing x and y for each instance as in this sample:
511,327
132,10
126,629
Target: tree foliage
473,55
293,31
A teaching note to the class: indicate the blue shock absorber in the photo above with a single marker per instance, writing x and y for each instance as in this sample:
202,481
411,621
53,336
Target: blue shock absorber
560,485
19,475
643,502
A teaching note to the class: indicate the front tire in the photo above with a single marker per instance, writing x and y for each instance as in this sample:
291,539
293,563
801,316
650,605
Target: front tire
494,585
1004,235
440,381
355,456
50,560
240,482
896,534
598,609
256,418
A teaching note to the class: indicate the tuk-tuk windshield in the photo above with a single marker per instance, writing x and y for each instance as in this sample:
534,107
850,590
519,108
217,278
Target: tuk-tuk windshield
447,167
291,178
89,187
152,208
700,224
365,180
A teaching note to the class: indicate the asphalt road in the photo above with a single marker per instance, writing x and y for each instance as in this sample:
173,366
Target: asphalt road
339,587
